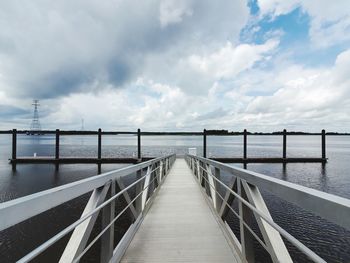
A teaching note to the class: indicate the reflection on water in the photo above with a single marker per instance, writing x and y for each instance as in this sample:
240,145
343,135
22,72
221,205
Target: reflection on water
328,240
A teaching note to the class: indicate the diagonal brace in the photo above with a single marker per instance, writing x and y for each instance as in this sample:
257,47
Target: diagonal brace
81,233
272,237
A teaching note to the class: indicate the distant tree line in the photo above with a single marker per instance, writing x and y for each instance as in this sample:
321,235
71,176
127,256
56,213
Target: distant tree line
226,132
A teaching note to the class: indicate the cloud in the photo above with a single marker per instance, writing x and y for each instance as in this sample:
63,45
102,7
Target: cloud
277,7
166,64
228,61
218,113
330,22
50,49
173,12
9,112
305,97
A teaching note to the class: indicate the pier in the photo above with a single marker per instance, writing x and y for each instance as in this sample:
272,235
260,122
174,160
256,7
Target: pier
180,206
57,159
180,226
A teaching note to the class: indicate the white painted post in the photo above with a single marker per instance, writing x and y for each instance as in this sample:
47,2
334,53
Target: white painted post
198,171
245,215
107,239
138,201
145,192
218,199
81,233
212,186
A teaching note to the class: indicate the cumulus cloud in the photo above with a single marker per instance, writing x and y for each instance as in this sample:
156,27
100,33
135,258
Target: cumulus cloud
277,7
306,97
166,64
330,21
228,61
172,12
49,49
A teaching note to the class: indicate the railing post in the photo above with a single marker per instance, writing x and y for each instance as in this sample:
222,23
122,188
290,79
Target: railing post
14,148
138,189
205,143
99,143
323,144
139,144
284,144
218,199
158,173
246,216
199,172
166,166
99,148
107,239
245,144
57,148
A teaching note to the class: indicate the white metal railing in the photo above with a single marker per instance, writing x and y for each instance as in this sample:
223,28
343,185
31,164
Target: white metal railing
244,186
102,198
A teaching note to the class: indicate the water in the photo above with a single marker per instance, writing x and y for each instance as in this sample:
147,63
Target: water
328,240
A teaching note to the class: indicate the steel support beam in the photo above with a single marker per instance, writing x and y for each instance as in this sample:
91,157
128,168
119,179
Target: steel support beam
228,197
107,239
272,238
127,197
81,233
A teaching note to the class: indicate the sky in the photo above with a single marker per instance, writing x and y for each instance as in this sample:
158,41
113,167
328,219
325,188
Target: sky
176,65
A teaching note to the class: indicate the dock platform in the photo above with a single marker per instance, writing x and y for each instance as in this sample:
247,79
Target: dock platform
180,226
178,214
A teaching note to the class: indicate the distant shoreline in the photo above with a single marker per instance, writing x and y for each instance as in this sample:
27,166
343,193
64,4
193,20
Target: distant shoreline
145,133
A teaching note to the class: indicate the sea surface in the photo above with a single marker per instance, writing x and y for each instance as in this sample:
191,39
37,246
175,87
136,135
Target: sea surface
328,240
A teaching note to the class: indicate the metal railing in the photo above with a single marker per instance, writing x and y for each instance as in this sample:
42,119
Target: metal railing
103,199
244,186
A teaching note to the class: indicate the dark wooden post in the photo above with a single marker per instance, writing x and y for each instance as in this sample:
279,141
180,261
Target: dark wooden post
57,149
14,148
323,144
99,140
139,144
205,143
245,144
99,150
284,144
14,144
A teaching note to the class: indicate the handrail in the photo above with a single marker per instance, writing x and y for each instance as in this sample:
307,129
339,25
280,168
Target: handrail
20,209
112,222
312,255
334,208
201,169
29,206
68,229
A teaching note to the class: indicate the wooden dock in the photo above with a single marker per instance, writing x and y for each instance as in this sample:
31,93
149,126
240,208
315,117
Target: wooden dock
76,160
180,226
57,159
271,160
